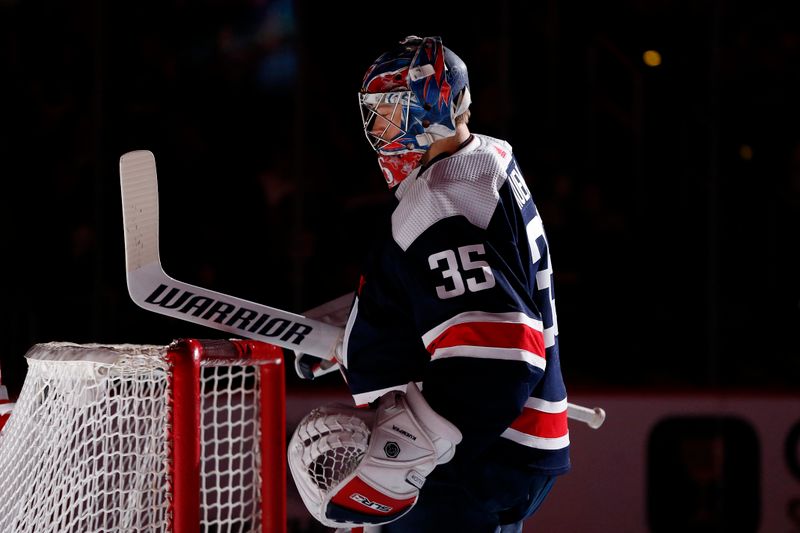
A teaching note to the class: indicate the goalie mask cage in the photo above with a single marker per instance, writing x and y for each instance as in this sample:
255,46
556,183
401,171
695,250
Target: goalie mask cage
182,438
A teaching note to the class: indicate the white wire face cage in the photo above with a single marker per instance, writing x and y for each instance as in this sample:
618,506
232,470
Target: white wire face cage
393,109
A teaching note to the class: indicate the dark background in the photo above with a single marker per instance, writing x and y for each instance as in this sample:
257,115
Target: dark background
670,195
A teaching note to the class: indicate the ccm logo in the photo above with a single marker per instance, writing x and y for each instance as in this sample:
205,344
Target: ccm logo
366,502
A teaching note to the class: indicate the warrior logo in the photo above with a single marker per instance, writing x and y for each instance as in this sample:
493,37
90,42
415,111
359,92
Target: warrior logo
232,316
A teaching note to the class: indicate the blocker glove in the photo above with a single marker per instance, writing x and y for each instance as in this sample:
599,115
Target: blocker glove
335,313
310,366
356,467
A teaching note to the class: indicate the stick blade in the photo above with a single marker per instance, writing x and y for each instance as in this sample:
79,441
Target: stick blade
152,289
139,184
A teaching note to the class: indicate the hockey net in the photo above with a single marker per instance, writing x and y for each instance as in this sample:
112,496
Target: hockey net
187,437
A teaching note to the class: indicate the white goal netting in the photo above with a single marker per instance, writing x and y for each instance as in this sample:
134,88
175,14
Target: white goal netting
87,447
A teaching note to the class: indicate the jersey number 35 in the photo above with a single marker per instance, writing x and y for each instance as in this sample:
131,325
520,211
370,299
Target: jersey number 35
460,266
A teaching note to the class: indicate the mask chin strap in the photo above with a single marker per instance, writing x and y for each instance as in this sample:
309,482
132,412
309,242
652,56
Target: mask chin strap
464,101
426,139
434,133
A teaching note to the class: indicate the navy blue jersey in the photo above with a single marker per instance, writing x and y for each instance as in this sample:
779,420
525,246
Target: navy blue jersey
459,298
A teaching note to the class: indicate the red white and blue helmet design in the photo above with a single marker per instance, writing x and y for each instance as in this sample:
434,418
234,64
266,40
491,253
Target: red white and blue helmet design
427,87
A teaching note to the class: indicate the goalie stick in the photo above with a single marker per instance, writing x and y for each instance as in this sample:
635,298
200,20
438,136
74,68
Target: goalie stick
153,290
591,416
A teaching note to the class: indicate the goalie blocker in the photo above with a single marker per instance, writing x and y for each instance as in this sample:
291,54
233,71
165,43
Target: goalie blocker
357,467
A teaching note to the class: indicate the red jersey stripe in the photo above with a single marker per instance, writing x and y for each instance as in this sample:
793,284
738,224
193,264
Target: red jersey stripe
492,335
540,424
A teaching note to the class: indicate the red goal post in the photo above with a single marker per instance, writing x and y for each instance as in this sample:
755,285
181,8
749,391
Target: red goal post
183,438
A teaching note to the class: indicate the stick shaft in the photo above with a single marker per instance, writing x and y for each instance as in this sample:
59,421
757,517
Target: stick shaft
592,416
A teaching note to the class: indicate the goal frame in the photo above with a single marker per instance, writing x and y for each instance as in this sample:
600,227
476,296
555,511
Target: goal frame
177,438
186,357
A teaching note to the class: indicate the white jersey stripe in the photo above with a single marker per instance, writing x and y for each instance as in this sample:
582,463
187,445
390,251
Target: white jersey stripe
479,316
481,352
347,329
366,397
541,443
545,406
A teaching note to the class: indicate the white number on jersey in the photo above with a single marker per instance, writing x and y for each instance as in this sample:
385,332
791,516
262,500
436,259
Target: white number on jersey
480,273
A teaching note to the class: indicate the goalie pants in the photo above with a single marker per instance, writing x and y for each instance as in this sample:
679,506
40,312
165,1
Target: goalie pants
495,500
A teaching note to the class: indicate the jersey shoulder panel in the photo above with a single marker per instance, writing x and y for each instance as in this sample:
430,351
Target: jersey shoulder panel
465,184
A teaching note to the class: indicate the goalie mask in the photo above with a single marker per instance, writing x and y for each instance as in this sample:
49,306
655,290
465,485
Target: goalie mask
410,98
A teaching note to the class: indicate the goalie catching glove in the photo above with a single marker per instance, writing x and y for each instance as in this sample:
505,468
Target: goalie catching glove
357,467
